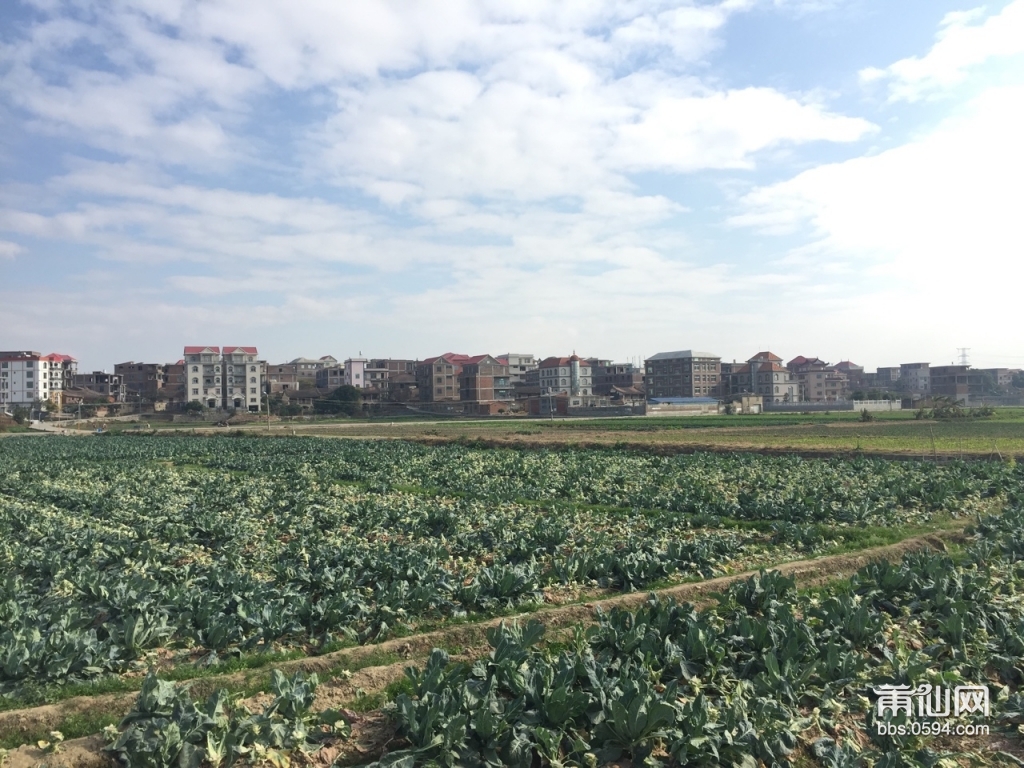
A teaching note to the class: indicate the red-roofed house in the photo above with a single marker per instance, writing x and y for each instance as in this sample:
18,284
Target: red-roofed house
27,377
484,385
437,378
566,376
763,375
819,381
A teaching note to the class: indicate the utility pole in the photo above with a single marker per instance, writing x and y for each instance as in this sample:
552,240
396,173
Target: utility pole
962,351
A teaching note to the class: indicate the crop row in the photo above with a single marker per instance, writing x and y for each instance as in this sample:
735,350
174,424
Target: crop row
768,675
767,672
113,548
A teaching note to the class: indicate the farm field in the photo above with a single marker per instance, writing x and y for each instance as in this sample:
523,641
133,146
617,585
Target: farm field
890,433
192,555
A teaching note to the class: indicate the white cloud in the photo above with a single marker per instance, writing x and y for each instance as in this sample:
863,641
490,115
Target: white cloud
934,224
725,130
9,250
963,43
504,142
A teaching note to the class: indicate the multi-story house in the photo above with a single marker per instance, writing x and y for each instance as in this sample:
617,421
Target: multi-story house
232,379
283,377
519,364
763,375
854,373
565,375
437,378
884,379
1001,378
819,381
110,385
203,376
916,378
330,378
355,372
243,379
28,377
684,373
956,382
300,372
145,380
174,381
484,384
608,375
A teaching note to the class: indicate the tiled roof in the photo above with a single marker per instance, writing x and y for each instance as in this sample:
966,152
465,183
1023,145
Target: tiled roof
246,350
451,357
200,350
801,360
767,355
555,362
682,353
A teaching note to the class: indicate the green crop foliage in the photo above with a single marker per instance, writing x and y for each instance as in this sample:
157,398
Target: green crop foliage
209,552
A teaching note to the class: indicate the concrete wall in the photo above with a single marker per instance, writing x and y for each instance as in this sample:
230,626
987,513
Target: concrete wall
671,409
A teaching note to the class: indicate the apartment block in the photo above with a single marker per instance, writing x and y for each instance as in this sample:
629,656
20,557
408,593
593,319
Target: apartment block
683,373
243,379
27,377
231,379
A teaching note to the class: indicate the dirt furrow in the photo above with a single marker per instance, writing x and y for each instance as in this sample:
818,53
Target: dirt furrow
471,638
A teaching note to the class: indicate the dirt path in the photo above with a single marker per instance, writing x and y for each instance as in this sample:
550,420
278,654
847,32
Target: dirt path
470,638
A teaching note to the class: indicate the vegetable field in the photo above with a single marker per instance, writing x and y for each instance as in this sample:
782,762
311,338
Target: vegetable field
126,554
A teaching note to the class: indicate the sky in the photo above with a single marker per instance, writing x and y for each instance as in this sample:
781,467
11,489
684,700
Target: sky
838,178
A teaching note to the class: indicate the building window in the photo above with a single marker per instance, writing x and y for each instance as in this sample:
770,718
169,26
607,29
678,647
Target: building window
252,390
252,379
195,391
195,369
195,381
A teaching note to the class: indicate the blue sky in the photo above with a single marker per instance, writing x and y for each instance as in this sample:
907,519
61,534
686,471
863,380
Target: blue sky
839,178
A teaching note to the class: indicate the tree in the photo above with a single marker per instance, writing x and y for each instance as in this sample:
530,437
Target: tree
193,408
946,408
345,399
20,415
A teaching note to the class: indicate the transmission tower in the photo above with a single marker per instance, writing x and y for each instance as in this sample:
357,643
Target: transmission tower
962,351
